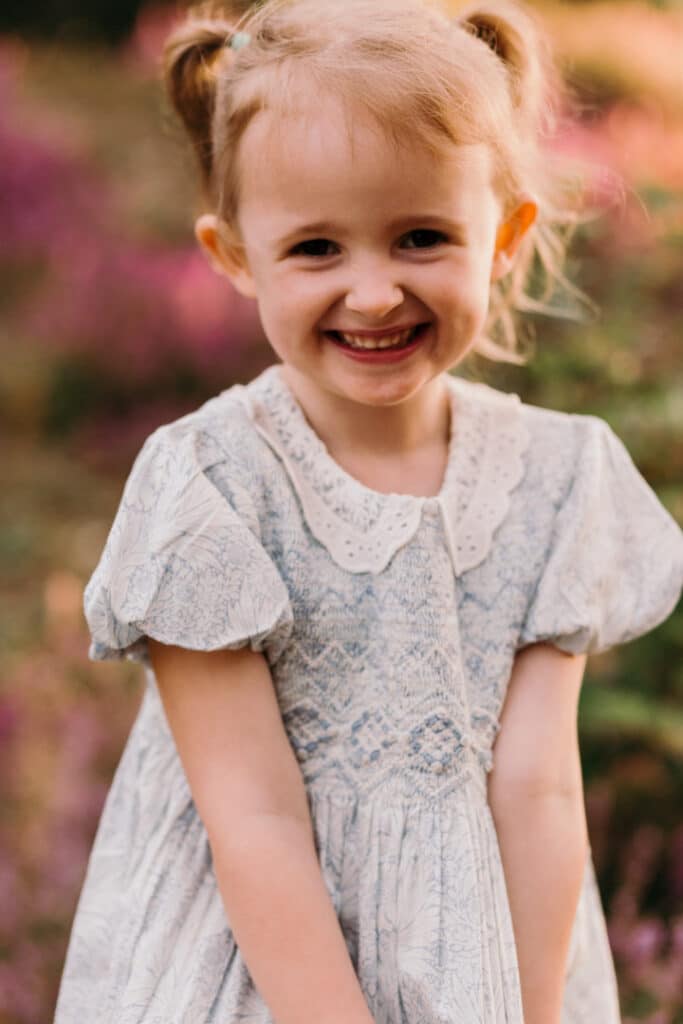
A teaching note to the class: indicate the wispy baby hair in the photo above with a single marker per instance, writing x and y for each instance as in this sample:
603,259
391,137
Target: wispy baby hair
428,77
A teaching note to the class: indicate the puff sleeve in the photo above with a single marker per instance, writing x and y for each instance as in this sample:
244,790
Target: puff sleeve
183,565
614,567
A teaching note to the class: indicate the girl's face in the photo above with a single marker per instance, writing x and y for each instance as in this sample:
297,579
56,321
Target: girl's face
348,243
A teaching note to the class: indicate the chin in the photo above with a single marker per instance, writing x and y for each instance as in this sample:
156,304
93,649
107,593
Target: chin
385,392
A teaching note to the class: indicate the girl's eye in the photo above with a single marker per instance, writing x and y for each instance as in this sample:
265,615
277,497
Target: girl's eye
312,247
425,238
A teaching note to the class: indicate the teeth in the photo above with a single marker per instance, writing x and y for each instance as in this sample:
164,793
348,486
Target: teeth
388,341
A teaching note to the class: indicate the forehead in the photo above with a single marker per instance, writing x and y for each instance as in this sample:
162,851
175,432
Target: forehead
327,162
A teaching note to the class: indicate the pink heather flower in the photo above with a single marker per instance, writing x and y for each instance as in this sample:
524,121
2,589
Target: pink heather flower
637,943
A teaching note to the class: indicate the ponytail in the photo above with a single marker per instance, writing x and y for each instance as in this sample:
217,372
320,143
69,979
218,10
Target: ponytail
535,89
190,58
513,36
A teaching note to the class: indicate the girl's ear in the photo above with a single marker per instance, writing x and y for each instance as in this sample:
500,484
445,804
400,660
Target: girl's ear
510,233
225,252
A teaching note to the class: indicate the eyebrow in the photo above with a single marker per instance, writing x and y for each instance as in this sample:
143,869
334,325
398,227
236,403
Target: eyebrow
318,227
328,228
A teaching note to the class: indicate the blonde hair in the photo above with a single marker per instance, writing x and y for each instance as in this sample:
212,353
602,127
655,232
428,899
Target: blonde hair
484,76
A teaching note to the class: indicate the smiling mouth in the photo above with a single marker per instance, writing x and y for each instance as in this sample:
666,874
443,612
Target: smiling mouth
393,342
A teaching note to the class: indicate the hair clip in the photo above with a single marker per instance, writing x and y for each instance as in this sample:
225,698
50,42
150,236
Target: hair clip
239,39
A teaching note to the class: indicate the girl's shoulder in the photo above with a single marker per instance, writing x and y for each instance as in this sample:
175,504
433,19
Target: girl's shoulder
541,422
554,445
185,560
219,440
221,429
606,556
550,437
562,443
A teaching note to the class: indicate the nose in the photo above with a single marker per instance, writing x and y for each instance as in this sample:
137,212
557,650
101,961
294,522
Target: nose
374,292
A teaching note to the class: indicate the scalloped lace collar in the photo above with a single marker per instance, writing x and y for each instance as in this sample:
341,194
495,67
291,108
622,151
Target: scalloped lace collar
361,528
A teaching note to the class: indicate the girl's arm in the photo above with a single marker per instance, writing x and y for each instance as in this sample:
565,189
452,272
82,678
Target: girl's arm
536,800
247,787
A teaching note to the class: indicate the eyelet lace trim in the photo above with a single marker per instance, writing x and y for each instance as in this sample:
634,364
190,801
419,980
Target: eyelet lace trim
363,529
491,439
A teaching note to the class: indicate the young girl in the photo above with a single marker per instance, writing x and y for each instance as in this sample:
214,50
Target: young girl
364,589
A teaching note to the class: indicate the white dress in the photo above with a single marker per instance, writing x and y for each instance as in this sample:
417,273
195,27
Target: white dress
390,623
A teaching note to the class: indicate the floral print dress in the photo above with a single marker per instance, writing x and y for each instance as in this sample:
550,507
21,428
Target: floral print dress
390,623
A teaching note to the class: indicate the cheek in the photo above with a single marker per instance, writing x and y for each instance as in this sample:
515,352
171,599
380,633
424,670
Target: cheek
276,325
295,301
286,318
469,295
468,311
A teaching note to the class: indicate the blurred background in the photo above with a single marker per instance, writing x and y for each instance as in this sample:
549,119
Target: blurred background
111,323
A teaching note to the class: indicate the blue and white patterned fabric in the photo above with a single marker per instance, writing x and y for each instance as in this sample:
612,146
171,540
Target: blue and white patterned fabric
390,623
